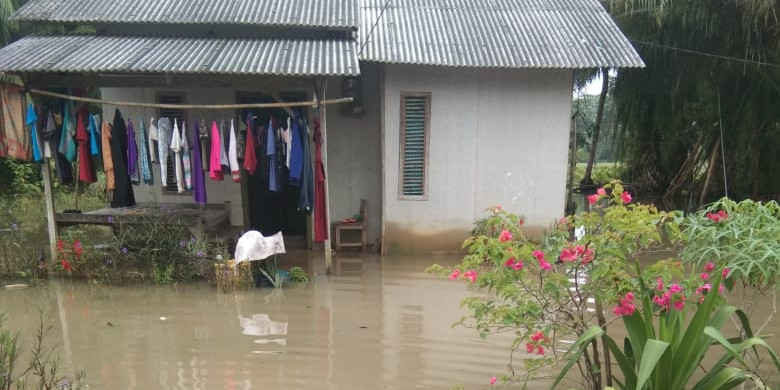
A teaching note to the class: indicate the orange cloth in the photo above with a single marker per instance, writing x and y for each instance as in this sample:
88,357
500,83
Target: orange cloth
108,163
14,139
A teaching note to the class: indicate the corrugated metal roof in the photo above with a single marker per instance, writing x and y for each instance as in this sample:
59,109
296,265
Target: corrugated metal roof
128,54
494,33
339,14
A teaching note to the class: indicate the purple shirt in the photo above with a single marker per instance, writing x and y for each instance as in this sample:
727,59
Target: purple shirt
132,151
198,178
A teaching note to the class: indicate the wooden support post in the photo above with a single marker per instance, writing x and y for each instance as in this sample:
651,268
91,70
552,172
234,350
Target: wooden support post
323,129
49,198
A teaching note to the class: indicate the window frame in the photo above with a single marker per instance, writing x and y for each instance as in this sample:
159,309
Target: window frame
166,189
402,140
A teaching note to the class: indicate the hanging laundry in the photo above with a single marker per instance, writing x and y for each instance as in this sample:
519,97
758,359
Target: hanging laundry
176,148
223,157
270,144
93,130
123,194
86,173
320,204
215,171
61,164
232,157
164,147
108,160
205,145
14,139
132,155
47,135
287,137
146,163
250,158
32,122
307,177
198,179
67,145
296,152
185,157
153,137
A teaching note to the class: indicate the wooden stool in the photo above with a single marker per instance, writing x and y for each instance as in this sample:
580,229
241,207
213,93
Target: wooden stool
357,226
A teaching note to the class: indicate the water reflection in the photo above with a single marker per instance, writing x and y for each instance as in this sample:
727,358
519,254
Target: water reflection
374,323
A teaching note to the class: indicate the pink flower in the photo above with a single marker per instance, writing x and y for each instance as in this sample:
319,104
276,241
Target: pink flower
498,207
705,276
601,191
537,336
567,254
704,288
471,275
625,197
679,305
675,288
538,255
720,289
717,217
520,222
709,267
493,381
544,265
505,236
626,305
510,262
592,199
659,284
529,347
454,275
725,273
539,350
587,257
517,266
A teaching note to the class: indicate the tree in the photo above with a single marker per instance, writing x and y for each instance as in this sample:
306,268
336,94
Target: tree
710,90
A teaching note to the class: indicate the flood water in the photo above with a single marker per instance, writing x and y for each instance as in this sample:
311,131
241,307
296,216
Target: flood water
374,323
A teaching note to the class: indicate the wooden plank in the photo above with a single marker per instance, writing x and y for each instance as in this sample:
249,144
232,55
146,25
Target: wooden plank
49,198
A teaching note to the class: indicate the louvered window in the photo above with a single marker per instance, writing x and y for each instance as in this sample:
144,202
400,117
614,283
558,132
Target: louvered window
169,187
415,133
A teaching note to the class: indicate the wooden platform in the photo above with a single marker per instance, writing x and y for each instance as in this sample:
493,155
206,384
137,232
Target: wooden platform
197,218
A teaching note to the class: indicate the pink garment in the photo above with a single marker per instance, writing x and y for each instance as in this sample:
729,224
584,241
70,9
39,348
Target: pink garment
215,166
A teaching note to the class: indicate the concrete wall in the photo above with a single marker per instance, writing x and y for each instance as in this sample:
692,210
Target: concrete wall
216,192
354,154
496,137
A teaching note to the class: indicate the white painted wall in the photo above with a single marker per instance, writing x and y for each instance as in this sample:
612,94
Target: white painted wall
216,192
354,154
496,137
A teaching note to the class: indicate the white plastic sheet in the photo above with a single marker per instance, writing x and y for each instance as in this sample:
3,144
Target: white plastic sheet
254,246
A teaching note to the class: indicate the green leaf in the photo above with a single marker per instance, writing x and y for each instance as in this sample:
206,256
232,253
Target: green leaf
576,350
653,351
727,378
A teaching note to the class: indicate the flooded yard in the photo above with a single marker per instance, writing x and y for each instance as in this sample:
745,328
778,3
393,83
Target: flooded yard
375,323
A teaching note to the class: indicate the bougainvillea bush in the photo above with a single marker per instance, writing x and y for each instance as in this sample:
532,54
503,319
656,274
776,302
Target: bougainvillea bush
551,295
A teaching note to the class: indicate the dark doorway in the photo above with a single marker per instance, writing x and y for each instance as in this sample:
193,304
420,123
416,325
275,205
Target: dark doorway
270,211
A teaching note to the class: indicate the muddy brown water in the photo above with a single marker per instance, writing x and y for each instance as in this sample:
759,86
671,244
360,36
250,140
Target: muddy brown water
375,323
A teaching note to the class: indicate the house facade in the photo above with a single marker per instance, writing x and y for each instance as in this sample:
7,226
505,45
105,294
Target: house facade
458,106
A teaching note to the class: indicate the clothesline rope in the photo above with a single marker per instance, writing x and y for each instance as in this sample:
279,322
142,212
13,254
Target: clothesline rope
309,103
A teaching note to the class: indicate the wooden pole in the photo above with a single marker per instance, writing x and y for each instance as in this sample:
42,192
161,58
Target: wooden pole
49,198
323,129
310,103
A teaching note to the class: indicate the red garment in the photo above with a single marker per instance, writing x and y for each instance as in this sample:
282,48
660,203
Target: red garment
86,173
320,206
215,167
250,158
